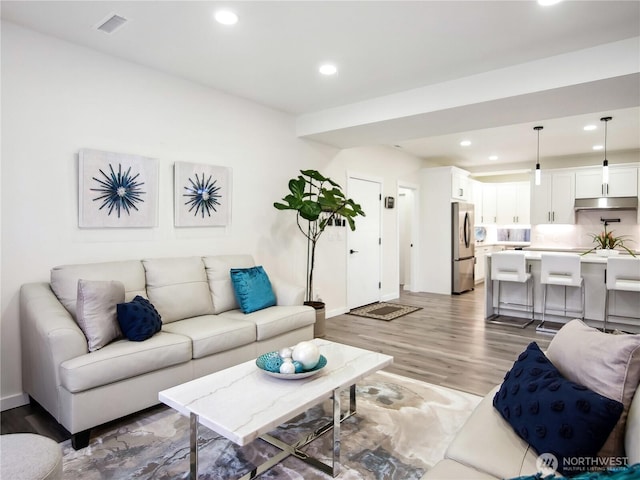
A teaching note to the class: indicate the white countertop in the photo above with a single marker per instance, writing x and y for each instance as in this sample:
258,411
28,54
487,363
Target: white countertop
588,258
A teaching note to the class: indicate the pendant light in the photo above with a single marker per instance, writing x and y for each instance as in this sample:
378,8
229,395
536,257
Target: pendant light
537,173
605,162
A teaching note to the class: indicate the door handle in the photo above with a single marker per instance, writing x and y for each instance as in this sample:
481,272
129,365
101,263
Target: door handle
352,251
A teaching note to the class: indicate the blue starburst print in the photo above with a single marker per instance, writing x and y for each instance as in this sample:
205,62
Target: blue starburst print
119,191
202,196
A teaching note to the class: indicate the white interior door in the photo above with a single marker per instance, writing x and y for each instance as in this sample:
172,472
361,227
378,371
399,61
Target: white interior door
364,244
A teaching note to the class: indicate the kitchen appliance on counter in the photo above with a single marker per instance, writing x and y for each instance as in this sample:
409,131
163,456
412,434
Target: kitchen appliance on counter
463,247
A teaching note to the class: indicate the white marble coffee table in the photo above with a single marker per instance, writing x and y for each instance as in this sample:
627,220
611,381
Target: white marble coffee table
243,403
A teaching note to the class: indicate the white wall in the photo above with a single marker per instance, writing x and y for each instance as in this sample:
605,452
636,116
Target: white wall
58,98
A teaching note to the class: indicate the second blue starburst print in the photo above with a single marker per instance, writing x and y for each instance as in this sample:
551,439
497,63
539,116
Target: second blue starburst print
202,195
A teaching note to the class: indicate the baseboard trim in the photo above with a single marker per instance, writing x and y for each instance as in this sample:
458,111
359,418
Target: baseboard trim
390,296
336,311
13,401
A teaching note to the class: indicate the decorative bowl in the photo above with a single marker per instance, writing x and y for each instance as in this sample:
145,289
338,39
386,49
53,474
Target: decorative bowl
265,359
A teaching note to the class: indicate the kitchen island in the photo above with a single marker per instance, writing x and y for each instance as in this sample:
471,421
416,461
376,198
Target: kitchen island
593,266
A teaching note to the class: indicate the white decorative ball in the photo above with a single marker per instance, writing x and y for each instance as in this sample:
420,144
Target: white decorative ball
285,353
288,367
307,354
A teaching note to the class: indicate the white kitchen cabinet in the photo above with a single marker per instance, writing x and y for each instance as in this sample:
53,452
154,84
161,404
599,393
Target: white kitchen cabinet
552,201
513,203
460,185
623,182
489,204
476,199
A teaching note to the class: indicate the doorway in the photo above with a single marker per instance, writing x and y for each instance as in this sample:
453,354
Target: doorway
407,236
364,245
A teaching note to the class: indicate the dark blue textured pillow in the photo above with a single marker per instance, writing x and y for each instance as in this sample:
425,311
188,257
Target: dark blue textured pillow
138,319
552,414
252,288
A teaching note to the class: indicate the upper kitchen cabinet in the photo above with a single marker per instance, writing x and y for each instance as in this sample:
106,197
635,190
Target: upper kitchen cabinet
513,203
552,200
623,182
476,199
489,203
460,185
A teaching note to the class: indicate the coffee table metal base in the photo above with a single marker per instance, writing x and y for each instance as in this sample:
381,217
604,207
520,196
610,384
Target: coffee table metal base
333,469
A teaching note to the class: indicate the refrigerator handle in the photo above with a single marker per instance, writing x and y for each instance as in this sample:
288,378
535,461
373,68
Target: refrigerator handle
466,229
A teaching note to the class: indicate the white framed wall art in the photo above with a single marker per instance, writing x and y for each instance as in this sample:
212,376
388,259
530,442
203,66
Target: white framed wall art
117,190
202,195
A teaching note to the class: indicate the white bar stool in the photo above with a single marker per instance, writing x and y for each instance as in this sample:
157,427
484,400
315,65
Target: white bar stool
560,269
623,274
511,266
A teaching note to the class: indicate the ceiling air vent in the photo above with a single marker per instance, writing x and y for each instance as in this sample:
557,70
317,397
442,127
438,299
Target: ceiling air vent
112,23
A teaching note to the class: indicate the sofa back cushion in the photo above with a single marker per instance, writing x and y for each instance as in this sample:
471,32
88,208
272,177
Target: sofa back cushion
64,280
218,273
178,288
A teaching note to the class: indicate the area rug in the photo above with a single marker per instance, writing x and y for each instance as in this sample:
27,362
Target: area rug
384,311
401,429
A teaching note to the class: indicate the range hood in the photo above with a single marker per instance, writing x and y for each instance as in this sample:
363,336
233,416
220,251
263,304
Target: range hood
607,203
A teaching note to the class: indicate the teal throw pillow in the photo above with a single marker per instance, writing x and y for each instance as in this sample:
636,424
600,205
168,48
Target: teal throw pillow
138,319
252,288
630,472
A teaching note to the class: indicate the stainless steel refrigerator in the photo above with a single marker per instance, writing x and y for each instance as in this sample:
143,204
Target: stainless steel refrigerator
463,247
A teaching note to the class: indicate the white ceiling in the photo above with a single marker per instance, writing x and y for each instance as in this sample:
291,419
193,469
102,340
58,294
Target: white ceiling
381,48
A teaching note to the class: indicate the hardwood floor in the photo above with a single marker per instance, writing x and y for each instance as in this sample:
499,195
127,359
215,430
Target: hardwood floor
447,343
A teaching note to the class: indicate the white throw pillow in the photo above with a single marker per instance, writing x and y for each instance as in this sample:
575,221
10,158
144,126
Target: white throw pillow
96,310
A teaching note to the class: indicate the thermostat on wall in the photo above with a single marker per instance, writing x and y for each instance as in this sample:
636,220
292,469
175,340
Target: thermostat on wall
389,202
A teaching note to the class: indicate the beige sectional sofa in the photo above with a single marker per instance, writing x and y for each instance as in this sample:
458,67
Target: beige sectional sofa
202,332
487,447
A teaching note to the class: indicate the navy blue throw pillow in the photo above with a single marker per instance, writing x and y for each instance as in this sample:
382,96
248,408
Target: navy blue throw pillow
553,414
138,319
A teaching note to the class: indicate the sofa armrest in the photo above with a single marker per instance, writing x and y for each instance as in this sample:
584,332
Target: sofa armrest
632,432
49,336
287,293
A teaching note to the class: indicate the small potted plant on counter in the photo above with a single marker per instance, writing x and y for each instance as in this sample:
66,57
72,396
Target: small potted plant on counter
607,243
318,202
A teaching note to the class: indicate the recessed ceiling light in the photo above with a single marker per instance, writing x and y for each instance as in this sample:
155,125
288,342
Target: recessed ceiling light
465,143
598,147
226,17
493,157
328,69
546,3
588,128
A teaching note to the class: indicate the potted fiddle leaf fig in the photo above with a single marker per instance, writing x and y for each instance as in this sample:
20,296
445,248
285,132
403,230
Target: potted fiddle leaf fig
318,202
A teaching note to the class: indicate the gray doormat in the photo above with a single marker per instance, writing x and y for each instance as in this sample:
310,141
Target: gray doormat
384,311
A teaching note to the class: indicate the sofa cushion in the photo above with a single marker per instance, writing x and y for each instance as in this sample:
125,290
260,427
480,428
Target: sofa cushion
138,319
276,320
123,359
605,363
212,333
178,287
96,311
449,470
64,280
221,288
488,442
553,414
252,289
